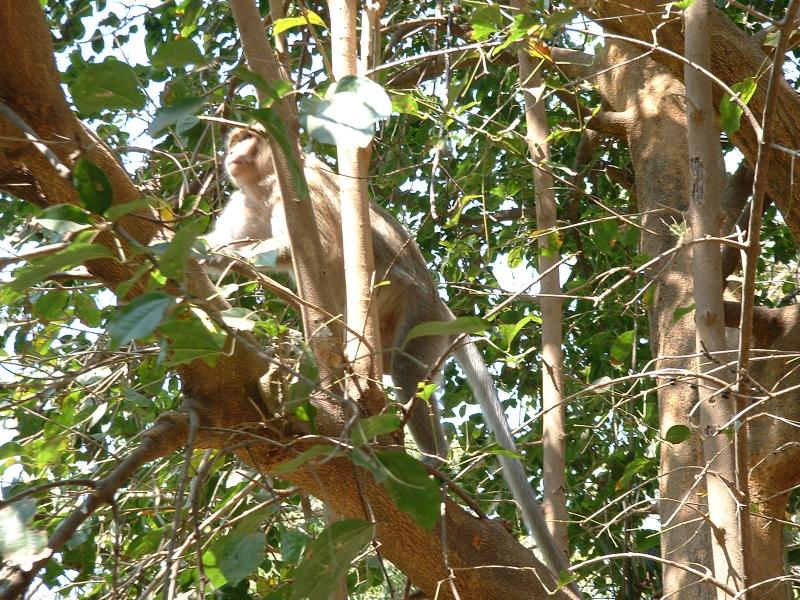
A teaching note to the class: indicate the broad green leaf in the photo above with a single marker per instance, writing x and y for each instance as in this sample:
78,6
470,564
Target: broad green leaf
515,256
302,458
287,23
108,85
41,268
50,306
64,218
510,331
182,112
410,486
405,104
772,39
191,339
328,558
497,450
240,552
173,261
730,113
138,318
94,188
621,348
681,312
239,318
293,542
677,434
565,578
85,308
456,326
485,22
177,53
274,90
120,210
348,114
632,468
375,426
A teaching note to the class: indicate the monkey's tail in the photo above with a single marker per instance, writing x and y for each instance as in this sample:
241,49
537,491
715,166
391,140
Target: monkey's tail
480,380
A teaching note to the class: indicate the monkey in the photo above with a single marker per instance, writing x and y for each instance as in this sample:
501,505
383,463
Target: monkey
253,223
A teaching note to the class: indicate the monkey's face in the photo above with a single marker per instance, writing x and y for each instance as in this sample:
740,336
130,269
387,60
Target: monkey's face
246,151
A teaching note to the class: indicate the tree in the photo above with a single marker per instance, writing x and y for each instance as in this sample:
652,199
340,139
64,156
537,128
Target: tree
168,434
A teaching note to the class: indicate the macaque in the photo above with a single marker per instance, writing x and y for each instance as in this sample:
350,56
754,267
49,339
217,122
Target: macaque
253,222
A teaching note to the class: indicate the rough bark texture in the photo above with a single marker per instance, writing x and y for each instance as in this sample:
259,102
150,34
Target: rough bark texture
648,99
486,561
653,102
734,58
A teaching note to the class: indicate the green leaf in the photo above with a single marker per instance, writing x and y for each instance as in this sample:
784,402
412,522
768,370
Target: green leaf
677,434
632,468
93,186
177,53
241,553
772,39
173,261
120,210
328,558
42,268
181,112
50,306
108,85
287,23
86,309
621,348
565,578
369,428
485,22
515,256
302,458
64,218
348,114
730,113
405,104
454,327
683,4
191,339
138,318
510,331
239,318
410,486
681,312
274,90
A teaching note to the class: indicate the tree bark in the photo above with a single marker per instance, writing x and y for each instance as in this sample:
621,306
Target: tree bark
734,57
362,336
554,502
717,403
653,100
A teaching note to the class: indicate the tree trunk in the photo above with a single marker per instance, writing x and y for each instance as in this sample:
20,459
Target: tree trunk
717,402
648,101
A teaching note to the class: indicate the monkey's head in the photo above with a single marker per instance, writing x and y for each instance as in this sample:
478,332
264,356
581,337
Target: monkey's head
247,156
